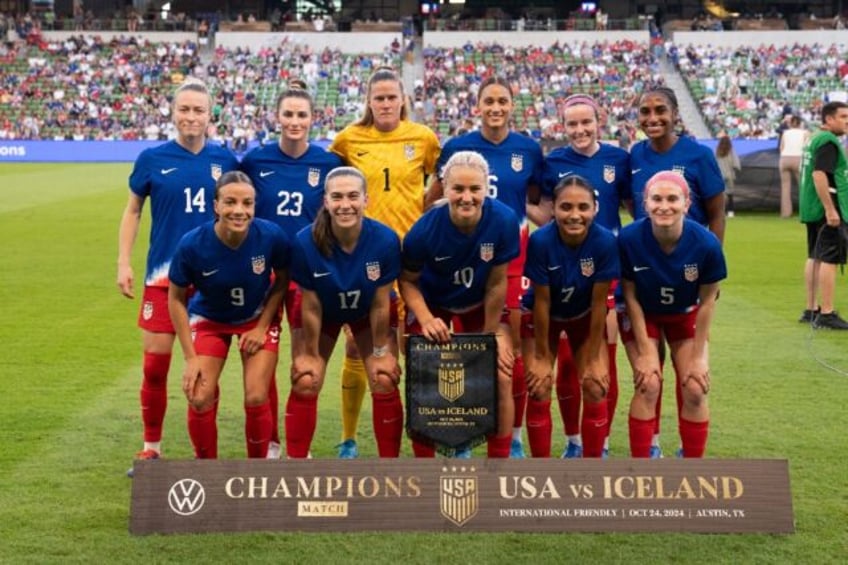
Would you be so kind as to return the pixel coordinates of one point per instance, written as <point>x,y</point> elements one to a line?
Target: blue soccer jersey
<point>571,273</point>
<point>181,188</point>
<point>669,283</point>
<point>347,282</point>
<point>694,161</point>
<point>514,163</point>
<point>231,284</point>
<point>455,266</point>
<point>289,191</point>
<point>608,171</point>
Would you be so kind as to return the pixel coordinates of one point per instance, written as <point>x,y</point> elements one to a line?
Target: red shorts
<point>576,329</point>
<point>611,294</point>
<point>675,327</point>
<point>470,320</point>
<point>332,329</point>
<point>516,286</point>
<point>213,338</point>
<point>153,315</point>
<point>293,301</point>
<point>516,266</point>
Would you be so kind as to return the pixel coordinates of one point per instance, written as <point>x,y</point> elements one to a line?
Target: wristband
<point>381,351</point>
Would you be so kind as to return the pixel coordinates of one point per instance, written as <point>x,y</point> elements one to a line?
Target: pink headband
<point>576,99</point>
<point>672,177</point>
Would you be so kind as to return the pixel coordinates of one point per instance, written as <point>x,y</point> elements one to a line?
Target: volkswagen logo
<point>186,497</point>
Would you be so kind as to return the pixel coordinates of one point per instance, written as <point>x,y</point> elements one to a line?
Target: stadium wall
<point>523,39</point>
<point>353,42</point>
<point>151,36</point>
<point>778,38</point>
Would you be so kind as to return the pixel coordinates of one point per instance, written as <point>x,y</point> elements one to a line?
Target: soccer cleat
<point>516,449</point>
<point>146,455</point>
<point>348,449</point>
<point>830,321</point>
<point>808,316</point>
<point>605,453</point>
<point>572,451</point>
<point>273,450</point>
<point>656,452</point>
<point>679,453</point>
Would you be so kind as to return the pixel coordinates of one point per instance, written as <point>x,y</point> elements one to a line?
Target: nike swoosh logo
<point>445,258</point>
<point>554,267</point>
<point>210,273</point>
<point>263,174</point>
<point>634,171</point>
<point>565,174</point>
<point>391,420</point>
<point>637,269</point>
<point>319,275</point>
<point>361,153</point>
<point>168,171</point>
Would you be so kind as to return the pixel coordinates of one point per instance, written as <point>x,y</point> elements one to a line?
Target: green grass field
<point>69,422</point>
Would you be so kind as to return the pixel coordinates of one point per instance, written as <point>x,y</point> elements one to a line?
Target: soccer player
<point>454,271</point>
<point>515,165</point>
<point>346,265</point>
<point>607,169</point>
<point>571,264</point>
<point>824,209</point>
<point>666,150</point>
<point>238,266</point>
<point>179,178</point>
<point>396,155</point>
<point>670,269</point>
<point>289,180</point>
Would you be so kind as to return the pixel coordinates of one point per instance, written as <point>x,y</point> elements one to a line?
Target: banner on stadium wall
<point>13,151</point>
<point>462,495</point>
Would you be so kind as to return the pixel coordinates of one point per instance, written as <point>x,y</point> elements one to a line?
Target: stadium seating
<point>745,91</point>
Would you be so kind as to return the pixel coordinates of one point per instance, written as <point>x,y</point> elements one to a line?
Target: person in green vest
<point>823,203</point>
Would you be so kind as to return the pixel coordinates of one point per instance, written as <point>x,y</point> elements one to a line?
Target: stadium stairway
<point>689,112</point>
<point>413,71</point>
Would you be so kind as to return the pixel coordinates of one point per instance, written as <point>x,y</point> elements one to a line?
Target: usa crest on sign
<point>690,272</point>
<point>517,162</point>
<point>258,264</point>
<point>587,266</point>
<point>487,251</point>
<point>372,271</point>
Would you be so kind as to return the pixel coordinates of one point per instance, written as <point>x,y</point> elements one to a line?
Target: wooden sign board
<point>462,495</point>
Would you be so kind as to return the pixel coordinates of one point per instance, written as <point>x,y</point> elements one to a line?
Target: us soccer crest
<point>372,271</point>
<point>690,272</point>
<point>458,494</point>
<point>451,381</point>
<point>609,174</point>
<point>147,310</point>
<point>517,162</point>
<point>409,151</point>
<point>216,171</point>
<point>680,170</point>
<point>258,264</point>
<point>313,177</point>
<point>587,266</point>
<point>487,251</point>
